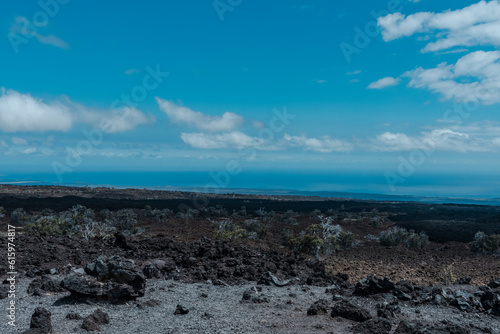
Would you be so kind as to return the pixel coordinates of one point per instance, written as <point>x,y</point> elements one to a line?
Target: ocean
<point>434,188</point>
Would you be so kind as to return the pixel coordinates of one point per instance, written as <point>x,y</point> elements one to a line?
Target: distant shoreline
<point>242,192</point>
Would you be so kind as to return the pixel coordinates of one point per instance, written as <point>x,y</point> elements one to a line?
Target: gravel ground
<point>218,309</point>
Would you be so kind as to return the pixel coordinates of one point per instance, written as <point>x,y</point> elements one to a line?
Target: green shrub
<point>20,216</point>
<point>264,214</point>
<point>395,235</point>
<point>216,211</point>
<point>49,225</point>
<point>255,228</point>
<point>78,221</point>
<point>324,238</point>
<point>316,213</point>
<point>227,229</point>
<point>447,274</point>
<point>187,214</point>
<point>485,244</point>
<point>416,241</point>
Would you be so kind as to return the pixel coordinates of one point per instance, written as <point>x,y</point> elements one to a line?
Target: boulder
<point>350,311</point>
<point>181,310</point>
<point>373,285</point>
<point>415,327</point>
<point>44,284</point>
<point>114,277</point>
<point>379,326</point>
<point>319,307</point>
<point>40,322</point>
<point>94,321</point>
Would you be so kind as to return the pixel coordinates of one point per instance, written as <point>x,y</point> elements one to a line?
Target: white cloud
<point>438,139</point>
<point>113,120</point>
<point>474,78</point>
<point>477,24</point>
<point>22,112</point>
<point>23,27</point>
<point>30,150</point>
<point>258,124</point>
<point>19,141</point>
<point>182,115</point>
<point>496,142</point>
<point>323,144</point>
<point>52,40</point>
<point>354,72</point>
<point>235,139</point>
<point>3,144</point>
<point>384,82</point>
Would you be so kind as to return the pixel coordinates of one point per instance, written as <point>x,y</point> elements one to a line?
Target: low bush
<point>324,238</point>
<point>416,241</point>
<point>188,214</point>
<point>393,236</point>
<point>256,229</point>
<point>77,221</point>
<point>448,275</point>
<point>217,211</point>
<point>20,217</point>
<point>49,225</point>
<point>227,229</point>
<point>264,214</point>
<point>160,215</point>
<point>396,235</point>
<point>485,244</point>
<point>242,212</point>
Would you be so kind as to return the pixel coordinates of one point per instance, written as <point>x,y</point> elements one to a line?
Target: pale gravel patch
<point>230,315</point>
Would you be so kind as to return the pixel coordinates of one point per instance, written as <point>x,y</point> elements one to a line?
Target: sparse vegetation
<point>396,235</point>
<point>289,218</point>
<point>77,221</point>
<point>216,211</point>
<point>324,238</point>
<point>227,229</point>
<point>124,220</point>
<point>448,275</point>
<point>248,229</point>
<point>20,217</point>
<point>263,213</point>
<point>256,229</point>
<point>416,240</point>
<point>49,225</point>
<point>485,244</point>
<point>160,215</point>
<point>188,214</point>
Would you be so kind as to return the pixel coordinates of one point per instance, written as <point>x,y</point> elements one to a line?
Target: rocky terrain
<point>117,261</point>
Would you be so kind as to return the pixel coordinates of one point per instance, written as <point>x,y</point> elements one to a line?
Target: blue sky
<point>299,85</point>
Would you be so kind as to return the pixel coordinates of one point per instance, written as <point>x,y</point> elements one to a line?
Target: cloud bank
<point>182,115</point>
<point>23,113</point>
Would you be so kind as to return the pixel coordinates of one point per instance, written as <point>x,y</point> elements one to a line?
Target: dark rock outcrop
<point>44,284</point>
<point>113,277</point>
<point>373,326</point>
<point>350,311</point>
<point>181,310</point>
<point>373,285</point>
<point>40,322</point>
<point>319,307</point>
<point>94,321</point>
